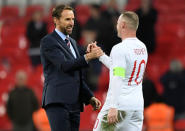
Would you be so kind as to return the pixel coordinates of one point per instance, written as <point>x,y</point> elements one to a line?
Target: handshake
<point>93,51</point>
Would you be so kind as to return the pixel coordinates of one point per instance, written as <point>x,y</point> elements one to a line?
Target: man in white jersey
<point>123,108</point>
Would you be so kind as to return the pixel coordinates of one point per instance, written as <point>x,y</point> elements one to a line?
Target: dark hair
<point>56,12</point>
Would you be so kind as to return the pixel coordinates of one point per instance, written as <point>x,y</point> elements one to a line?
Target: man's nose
<point>72,22</point>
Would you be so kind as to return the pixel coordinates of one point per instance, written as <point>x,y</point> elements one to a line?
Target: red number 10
<point>137,75</point>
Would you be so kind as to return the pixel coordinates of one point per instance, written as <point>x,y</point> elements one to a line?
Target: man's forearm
<point>106,60</point>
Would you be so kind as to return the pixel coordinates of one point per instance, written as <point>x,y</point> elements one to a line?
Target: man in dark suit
<point>65,91</point>
<point>36,29</point>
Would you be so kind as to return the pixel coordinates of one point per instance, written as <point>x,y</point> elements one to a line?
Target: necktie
<point>68,45</point>
<point>67,41</point>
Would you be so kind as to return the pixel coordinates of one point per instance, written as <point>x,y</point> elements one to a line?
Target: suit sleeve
<point>54,54</point>
<point>85,93</point>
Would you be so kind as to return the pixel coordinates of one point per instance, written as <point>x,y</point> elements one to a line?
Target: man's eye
<point>68,19</point>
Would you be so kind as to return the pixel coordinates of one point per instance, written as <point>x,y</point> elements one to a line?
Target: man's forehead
<point>121,15</point>
<point>67,13</point>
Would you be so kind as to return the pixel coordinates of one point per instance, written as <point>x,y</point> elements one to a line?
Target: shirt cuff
<point>86,60</point>
<point>102,57</point>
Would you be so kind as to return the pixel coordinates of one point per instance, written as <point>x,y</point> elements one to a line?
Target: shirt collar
<point>130,38</point>
<point>61,34</point>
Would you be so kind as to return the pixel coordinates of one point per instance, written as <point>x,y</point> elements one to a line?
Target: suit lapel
<point>62,43</point>
<point>75,47</point>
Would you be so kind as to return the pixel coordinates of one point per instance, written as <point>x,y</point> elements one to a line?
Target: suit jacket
<point>34,34</point>
<point>64,82</point>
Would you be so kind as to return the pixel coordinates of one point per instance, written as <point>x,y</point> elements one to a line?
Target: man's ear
<point>55,20</point>
<point>123,24</point>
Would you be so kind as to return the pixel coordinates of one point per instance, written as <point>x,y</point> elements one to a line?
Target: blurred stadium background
<point>14,15</point>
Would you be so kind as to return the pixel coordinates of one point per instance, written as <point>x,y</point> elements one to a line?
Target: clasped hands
<point>93,51</point>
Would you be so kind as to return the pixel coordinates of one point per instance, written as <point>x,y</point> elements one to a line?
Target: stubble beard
<point>64,30</point>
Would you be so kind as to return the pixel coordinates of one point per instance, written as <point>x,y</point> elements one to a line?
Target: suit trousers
<point>63,117</point>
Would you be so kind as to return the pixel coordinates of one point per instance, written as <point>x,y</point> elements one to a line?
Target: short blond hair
<point>131,18</point>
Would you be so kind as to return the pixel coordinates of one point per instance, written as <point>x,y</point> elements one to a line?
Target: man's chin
<point>69,32</point>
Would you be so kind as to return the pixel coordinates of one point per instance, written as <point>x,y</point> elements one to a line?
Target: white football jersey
<point>126,65</point>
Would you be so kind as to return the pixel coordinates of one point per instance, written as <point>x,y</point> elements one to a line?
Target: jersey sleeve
<point>117,74</point>
<point>106,60</point>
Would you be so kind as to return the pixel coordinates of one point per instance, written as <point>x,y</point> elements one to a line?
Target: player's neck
<point>128,34</point>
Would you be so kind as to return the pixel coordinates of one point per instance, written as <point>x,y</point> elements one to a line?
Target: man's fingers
<point>109,120</point>
<point>96,48</point>
<point>97,104</point>
<point>95,52</point>
<point>89,47</point>
<point>94,43</point>
<point>116,120</point>
<point>112,120</point>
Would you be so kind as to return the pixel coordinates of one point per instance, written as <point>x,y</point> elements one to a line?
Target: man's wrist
<point>87,57</point>
<point>101,57</point>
